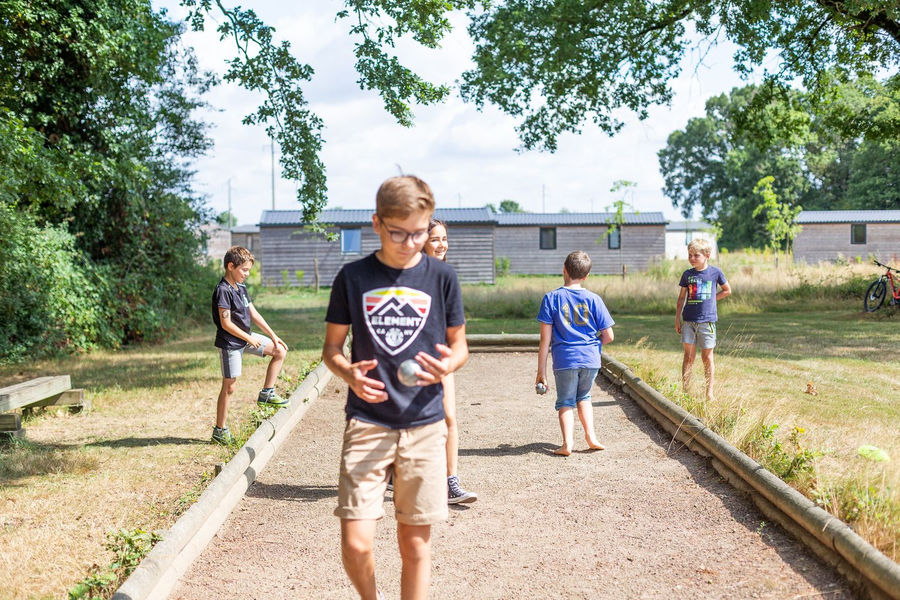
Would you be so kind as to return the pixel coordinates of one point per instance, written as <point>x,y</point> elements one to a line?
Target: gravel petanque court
<point>645,518</point>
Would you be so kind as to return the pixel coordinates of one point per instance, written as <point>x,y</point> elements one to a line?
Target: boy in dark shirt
<point>401,305</point>
<point>695,312</point>
<point>233,313</point>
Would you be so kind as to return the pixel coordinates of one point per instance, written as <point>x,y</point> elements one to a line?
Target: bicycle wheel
<point>875,296</point>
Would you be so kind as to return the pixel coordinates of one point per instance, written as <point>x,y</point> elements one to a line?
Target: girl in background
<point>436,246</point>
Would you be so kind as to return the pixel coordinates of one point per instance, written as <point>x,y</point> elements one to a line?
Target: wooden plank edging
<point>161,569</point>
<point>859,561</point>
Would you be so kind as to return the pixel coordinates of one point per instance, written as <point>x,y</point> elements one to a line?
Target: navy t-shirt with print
<point>394,314</point>
<point>700,302</point>
<point>237,300</point>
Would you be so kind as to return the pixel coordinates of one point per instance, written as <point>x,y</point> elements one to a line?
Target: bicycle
<point>878,290</point>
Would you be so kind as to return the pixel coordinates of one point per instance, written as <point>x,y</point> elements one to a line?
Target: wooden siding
<point>641,245</point>
<point>291,249</point>
<point>829,241</point>
<point>250,241</point>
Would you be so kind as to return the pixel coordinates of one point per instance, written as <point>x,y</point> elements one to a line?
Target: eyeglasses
<point>398,236</point>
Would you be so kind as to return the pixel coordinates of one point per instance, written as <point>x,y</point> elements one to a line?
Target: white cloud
<point>467,156</point>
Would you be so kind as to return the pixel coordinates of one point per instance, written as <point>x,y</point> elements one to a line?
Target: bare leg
<point>415,554</point>
<point>452,430</point>
<point>228,385</point>
<point>709,367</point>
<point>690,351</point>
<point>567,426</point>
<point>278,353</point>
<point>586,416</point>
<point>357,542</point>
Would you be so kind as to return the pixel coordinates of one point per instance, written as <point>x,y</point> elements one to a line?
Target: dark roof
<point>604,218</point>
<point>689,226</point>
<point>363,216</point>
<point>848,216</point>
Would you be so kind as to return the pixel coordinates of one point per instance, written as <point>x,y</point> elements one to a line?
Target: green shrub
<point>52,298</point>
<point>501,266</point>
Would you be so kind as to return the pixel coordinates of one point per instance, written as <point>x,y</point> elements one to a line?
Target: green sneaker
<point>273,400</point>
<point>222,435</point>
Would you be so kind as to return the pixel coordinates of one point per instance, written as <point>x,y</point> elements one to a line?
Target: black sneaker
<point>272,399</point>
<point>222,435</point>
<point>457,495</point>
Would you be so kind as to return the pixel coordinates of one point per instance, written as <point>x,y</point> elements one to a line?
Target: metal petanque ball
<point>540,388</point>
<point>408,372</point>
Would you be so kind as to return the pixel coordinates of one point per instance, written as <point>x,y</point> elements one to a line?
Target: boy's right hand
<point>678,326</point>
<point>255,342</point>
<point>368,389</point>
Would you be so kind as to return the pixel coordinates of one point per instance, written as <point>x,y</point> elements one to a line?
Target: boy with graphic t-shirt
<point>574,325</point>
<point>232,313</point>
<point>400,305</point>
<point>695,312</point>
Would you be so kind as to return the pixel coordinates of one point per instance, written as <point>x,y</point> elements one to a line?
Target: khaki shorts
<point>419,460</point>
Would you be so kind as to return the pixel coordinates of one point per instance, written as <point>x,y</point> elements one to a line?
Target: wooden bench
<point>43,391</point>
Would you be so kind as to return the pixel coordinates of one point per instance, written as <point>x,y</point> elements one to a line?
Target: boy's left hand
<point>433,369</point>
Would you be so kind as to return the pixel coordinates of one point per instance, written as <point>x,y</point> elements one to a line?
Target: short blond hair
<point>237,255</point>
<point>399,197</point>
<point>700,245</point>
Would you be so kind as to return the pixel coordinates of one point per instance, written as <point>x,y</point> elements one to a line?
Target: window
<point>614,239</point>
<point>858,233</point>
<point>351,241</point>
<point>548,238</point>
<point>688,237</point>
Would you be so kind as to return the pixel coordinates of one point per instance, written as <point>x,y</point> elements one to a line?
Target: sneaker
<point>390,483</point>
<point>457,495</point>
<point>272,399</point>
<point>222,435</point>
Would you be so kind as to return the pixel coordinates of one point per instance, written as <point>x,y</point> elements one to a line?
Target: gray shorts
<point>231,357</point>
<point>701,334</point>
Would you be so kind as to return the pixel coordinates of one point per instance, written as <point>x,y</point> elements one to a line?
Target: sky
<point>468,157</point>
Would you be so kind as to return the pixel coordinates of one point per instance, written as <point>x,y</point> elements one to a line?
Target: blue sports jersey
<point>577,316</point>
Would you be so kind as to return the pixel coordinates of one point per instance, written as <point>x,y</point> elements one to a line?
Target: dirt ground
<point>643,519</point>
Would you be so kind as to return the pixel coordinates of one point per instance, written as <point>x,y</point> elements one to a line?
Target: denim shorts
<point>701,334</point>
<point>573,385</point>
<point>231,357</point>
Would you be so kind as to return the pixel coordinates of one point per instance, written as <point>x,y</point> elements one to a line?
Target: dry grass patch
<point>137,460</point>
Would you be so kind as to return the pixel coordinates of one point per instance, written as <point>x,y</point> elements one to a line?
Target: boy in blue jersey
<point>695,312</point>
<point>400,305</point>
<point>574,325</point>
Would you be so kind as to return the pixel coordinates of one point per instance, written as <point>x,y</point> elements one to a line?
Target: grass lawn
<point>141,456</point>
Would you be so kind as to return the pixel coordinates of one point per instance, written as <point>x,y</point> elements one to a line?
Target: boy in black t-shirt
<point>401,305</point>
<point>233,313</point>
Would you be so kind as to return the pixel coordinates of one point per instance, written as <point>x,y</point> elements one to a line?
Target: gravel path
<point>642,519</point>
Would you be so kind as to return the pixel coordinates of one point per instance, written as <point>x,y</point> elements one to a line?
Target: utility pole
<point>543,198</point>
<point>230,224</point>
<point>272,146</point>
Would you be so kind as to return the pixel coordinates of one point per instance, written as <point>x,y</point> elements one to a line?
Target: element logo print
<point>395,316</point>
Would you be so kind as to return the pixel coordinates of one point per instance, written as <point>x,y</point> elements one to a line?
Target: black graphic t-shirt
<point>393,315</point>
<point>238,302</point>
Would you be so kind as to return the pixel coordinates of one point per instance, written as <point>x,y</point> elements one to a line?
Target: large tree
<point>98,97</point>
<point>555,63</point>
<point>816,158</point>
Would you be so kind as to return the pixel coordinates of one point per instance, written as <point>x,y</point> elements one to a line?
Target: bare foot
<point>595,445</point>
<point>562,451</point>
